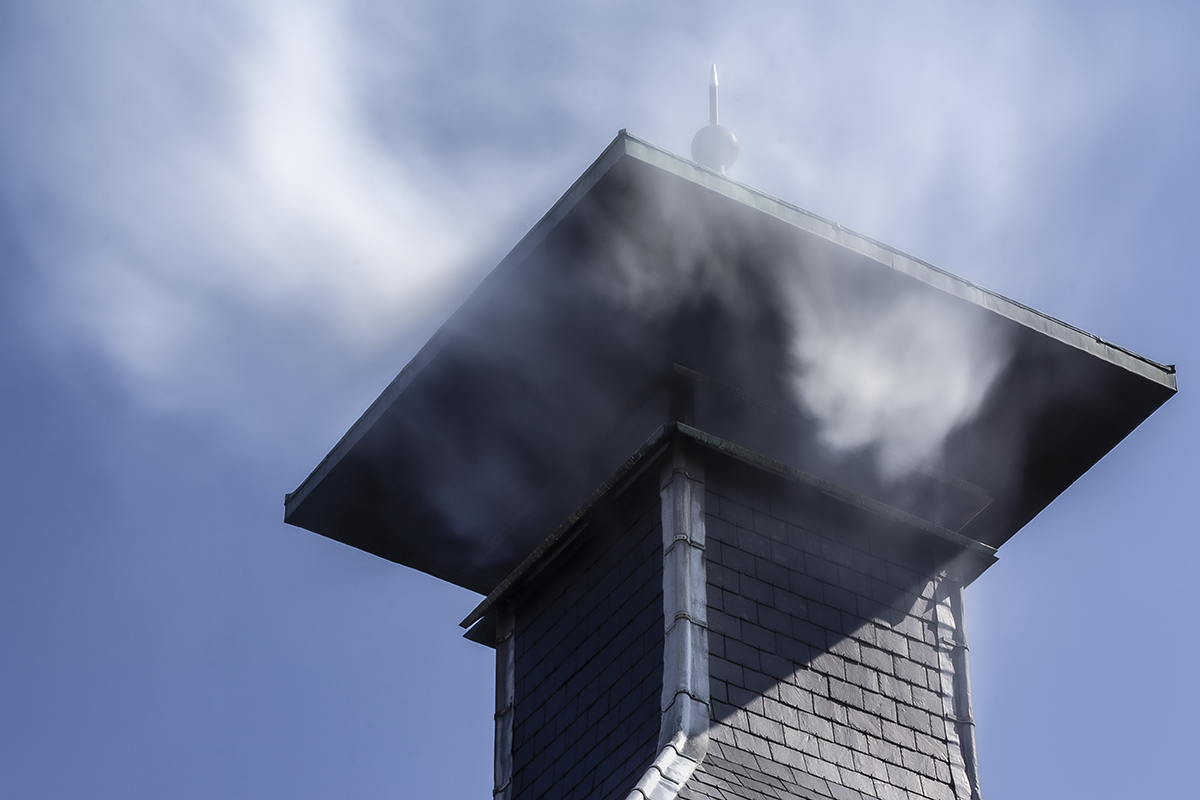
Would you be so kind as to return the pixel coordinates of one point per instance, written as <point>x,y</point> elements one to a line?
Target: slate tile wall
<point>589,655</point>
<point>825,679</point>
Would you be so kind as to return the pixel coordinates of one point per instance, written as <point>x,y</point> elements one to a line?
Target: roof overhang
<point>656,290</point>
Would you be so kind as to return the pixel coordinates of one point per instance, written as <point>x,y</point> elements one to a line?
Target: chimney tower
<point>692,593</point>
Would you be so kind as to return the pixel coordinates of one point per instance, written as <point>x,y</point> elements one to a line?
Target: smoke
<point>895,371</point>
<point>881,363</point>
<point>659,254</point>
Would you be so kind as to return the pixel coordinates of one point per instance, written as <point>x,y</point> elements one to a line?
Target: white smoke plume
<point>896,372</point>
<point>880,362</point>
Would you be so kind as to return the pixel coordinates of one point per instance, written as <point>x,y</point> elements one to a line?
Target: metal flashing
<point>954,677</point>
<point>686,715</point>
<point>506,694</point>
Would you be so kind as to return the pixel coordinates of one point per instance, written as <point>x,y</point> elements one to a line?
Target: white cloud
<point>336,167</point>
<point>327,217</point>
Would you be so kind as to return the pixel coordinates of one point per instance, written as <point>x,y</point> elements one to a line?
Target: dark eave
<point>544,381</point>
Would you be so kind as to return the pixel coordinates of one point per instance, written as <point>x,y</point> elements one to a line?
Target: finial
<point>714,114</point>
<point>714,146</point>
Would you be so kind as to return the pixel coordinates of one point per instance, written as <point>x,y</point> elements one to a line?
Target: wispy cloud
<point>320,215</point>
<point>192,178</point>
<point>241,182</point>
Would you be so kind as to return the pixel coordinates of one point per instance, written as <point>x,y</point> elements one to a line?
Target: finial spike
<point>714,146</point>
<point>714,115</point>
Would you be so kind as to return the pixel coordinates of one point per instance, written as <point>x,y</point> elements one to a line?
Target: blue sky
<point>225,226</point>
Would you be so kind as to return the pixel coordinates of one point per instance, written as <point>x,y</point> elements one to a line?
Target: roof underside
<point>657,290</point>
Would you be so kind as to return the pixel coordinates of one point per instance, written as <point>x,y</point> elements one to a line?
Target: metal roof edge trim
<point>902,262</point>
<point>600,167</point>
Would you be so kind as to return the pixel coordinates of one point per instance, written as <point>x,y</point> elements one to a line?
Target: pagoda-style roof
<point>658,291</point>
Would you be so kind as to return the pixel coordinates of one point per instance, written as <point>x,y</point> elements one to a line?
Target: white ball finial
<point>714,146</point>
